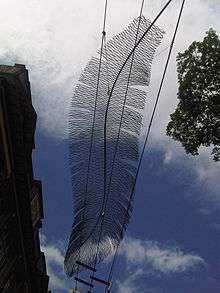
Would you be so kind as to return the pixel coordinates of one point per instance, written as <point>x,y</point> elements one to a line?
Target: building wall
<point>22,264</point>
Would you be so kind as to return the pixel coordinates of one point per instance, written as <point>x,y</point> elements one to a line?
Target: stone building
<point>22,264</point>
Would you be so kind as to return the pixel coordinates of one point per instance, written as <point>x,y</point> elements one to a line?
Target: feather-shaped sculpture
<point>86,128</point>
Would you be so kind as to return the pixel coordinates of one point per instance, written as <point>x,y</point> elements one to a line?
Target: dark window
<point>5,168</point>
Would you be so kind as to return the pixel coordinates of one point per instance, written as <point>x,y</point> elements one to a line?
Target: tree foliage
<point>196,120</point>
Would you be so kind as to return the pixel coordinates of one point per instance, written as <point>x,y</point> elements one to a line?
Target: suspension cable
<point>146,139</point>
<point>94,117</point>
<point>123,106</point>
<point>101,215</point>
<point>126,92</point>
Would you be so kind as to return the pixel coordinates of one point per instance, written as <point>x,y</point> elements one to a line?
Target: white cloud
<point>129,285</point>
<point>205,170</point>
<point>149,258</point>
<point>54,259</point>
<point>132,285</point>
<point>55,39</point>
<point>53,254</point>
<point>157,258</point>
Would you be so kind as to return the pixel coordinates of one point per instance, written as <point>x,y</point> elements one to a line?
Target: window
<point>5,166</point>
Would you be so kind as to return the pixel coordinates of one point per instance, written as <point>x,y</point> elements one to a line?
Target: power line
<point>112,89</point>
<point>110,95</point>
<point>124,103</point>
<point>147,136</point>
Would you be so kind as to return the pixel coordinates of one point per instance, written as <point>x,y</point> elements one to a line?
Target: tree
<point>196,120</point>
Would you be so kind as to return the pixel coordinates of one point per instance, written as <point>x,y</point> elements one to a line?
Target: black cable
<point>123,106</point>
<point>107,67</point>
<point>96,98</point>
<point>94,116</point>
<point>111,92</point>
<point>126,92</point>
<point>147,136</point>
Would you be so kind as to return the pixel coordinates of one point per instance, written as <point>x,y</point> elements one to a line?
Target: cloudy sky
<point>172,244</point>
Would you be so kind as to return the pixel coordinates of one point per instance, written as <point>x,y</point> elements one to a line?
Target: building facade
<point>22,264</point>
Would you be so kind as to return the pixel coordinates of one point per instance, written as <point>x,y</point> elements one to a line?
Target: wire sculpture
<point>86,141</point>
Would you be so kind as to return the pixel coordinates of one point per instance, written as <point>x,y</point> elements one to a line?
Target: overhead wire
<point>124,103</point>
<point>107,67</point>
<point>147,137</point>
<point>94,116</point>
<point>112,89</point>
<point>126,92</point>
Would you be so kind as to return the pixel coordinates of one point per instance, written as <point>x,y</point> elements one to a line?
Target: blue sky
<point>173,239</point>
